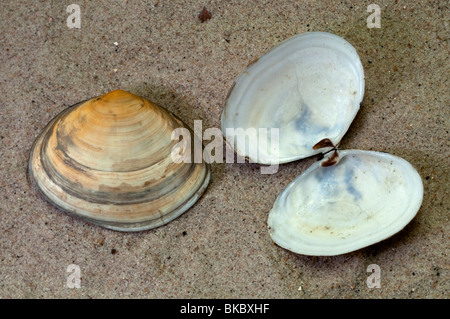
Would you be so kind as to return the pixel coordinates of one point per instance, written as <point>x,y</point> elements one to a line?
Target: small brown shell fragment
<point>204,15</point>
<point>332,160</point>
<point>108,160</point>
<point>326,142</point>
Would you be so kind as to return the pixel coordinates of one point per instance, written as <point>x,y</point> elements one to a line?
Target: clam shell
<point>309,87</point>
<point>365,198</point>
<point>108,160</point>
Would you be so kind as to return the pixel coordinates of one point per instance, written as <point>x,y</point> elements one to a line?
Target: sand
<point>220,248</point>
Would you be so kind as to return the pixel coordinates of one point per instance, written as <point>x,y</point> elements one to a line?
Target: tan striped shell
<point>108,160</point>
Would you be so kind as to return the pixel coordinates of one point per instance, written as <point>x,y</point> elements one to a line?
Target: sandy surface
<point>220,248</point>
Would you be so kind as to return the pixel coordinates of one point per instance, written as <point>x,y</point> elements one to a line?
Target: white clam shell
<point>367,197</point>
<point>309,87</point>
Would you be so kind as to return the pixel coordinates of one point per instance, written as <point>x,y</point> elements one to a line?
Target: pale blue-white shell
<point>309,88</point>
<point>365,198</point>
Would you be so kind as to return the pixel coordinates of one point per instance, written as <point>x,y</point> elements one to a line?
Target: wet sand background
<point>220,248</point>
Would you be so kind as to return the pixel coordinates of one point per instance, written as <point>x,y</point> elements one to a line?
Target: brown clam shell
<point>108,160</point>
